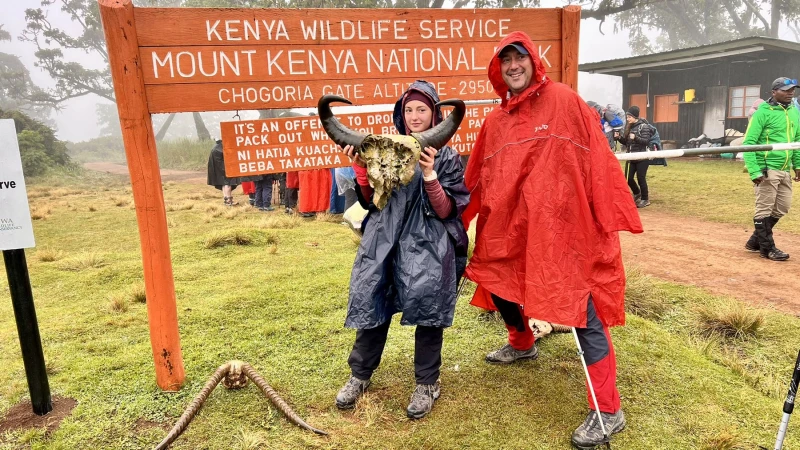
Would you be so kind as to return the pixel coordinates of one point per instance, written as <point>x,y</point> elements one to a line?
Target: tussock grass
<point>38,192</point>
<point>723,441</point>
<point>40,213</point>
<point>51,367</point>
<point>64,192</point>
<point>249,440</point>
<point>120,201</point>
<point>272,249</point>
<point>644,297</point>
<point>369,410</point>
<point>83,261</point>
<point>47,254</point>
<point>227,237</point>
<point>137,293</point>
<point>328,217</point>
<point>737,322</point>
<point>118,303</point>
<point>92,209</point>
<point>281,221</point>
<point>232,213</point>
<point>183,206</point>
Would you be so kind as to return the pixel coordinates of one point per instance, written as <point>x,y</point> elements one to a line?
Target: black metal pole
<point>788,405</point>
<point>28,328</point>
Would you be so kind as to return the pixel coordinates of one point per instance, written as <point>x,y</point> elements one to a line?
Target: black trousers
<point>291,197</point>
<point>592,338</point>
<point>368,349</point>
<point>638,168</point>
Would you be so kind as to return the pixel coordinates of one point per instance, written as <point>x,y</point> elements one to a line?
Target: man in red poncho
<point>550,198</point>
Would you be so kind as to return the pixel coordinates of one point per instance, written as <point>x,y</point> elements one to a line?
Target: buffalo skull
<point>391,158</point>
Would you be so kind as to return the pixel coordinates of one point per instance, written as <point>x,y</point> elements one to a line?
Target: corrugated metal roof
<point>704,52</point>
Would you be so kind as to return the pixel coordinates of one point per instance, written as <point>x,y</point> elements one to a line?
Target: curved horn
<point>437,136</point>
<point>338,133</point>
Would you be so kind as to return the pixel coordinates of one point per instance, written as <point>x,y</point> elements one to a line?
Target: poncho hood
<point>496,76</point>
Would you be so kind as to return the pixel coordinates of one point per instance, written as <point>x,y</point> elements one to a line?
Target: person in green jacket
<point>775,121</point>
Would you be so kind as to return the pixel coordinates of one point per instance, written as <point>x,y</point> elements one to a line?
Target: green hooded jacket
<point>772,124</point>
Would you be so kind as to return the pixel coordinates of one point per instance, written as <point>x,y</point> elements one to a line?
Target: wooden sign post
<point>119,26</point>
<point>167,60</point>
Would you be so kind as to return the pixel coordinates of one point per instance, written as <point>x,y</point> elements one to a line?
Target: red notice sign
<point>254,147</point>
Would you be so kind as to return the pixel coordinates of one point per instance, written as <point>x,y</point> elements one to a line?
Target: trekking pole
<point>788,405</point>
<point>591,388</point>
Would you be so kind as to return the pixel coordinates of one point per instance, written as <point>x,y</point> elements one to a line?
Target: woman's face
<point>630,118</point>
<point>418,116</point>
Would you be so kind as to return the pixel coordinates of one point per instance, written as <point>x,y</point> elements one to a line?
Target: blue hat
<point>520,48</point>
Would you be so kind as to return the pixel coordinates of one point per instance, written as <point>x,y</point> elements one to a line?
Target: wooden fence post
<point>140,151</point>
<point>570,35</point>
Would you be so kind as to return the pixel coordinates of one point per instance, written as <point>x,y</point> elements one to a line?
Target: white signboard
<point>16,230</point>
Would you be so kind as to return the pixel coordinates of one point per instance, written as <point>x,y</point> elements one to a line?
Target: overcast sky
<point>77,120</point>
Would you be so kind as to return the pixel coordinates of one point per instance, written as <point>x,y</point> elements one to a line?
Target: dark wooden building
<point>726,78</point>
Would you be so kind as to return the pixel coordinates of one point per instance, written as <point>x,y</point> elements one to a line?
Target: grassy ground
<point>179,154</point>
<point>695,371</point>
<point>715,190</point>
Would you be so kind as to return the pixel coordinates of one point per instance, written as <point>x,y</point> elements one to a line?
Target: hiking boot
<point>642,203</point>
<point>422,400</point>
<point>775,255</point>
<point>589,434</point>
<point>752,244</point>
<point>637,197</point>
<point>508,354</point>
<point>266,208</point>
<point>289,211</point>
<point>350,392</point>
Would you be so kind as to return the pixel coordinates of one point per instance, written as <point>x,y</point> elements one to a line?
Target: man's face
<point>517,70</point>
<point>783,96</point>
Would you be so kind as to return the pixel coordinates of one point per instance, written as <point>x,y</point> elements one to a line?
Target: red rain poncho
<point>315,190</point>
<point>550,198</point>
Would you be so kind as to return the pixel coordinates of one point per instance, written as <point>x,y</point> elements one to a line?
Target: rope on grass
<point>234,375</point>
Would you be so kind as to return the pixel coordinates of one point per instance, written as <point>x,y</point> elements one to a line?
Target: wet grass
<point>283,311</point>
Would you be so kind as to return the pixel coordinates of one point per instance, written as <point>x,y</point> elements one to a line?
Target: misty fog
<point>77,119</point>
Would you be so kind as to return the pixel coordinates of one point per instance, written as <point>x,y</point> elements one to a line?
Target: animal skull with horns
<point>391,158</point>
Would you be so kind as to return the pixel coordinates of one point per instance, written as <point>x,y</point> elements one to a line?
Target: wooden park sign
<point>202,59</point>
<point>222,59</point>
<point>299,143</point>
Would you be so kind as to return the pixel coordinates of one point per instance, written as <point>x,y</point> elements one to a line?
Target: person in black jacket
<point>636,137</point>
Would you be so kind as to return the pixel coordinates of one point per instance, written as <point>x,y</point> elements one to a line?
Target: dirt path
<point>186,176</point>
<point>712,256</point>
<point>674,248</point>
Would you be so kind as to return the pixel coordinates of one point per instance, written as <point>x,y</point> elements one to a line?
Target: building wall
<point>761,69</point>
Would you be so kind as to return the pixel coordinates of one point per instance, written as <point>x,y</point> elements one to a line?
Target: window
<point>640,100</point>
<point>666,108</point>
<point>741,98</point>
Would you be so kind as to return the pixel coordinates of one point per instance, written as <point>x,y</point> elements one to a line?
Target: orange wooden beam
<point>140,150</point>
<point>570,35</point>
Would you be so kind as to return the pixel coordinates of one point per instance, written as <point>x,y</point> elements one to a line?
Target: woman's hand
<point>426,160</point>
<point>355,158</point>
